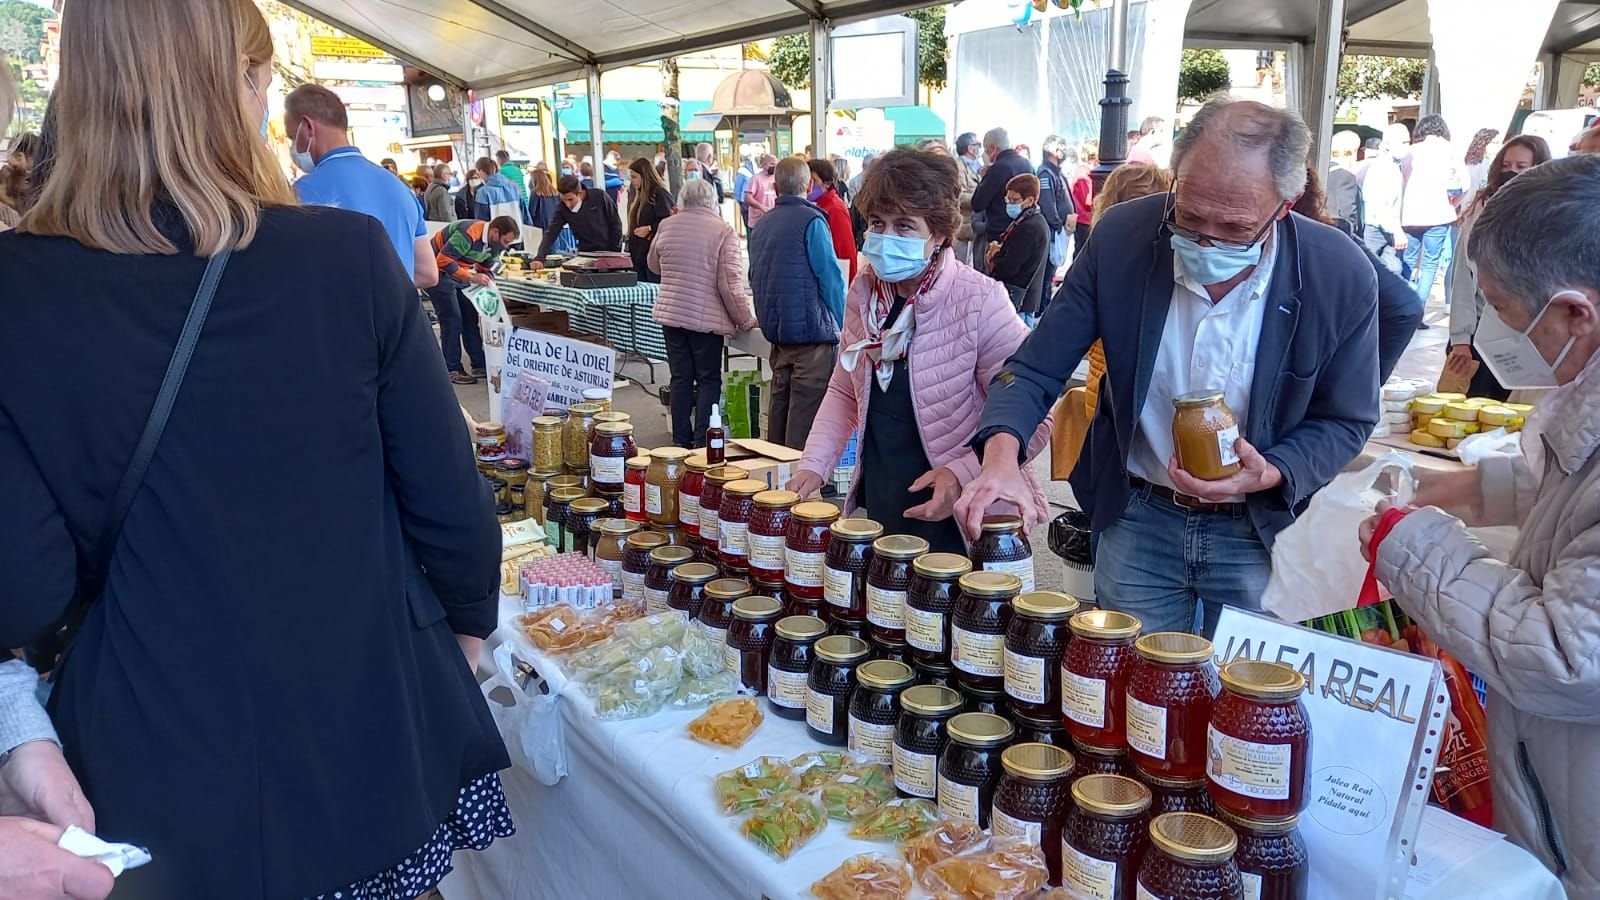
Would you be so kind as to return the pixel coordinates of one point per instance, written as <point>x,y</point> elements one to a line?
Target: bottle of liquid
<point>716,439</point>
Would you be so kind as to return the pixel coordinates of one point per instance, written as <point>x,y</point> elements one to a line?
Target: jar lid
<point>842,648</point>
<point>669,454</point>
<point>726,474</point>
<point>646,540</point>
<point>1111,795</point>
<point>566,481</point>
<point>979,729</point>
<point>1196,398</point>
<point>511,464</point>
<point>590,505</point>
<point>1262,680</point>
<point>1193,837</point>
<point>597,393</point>
<point>1263,824</point>
<point>930,700</point>
<point>1097,750</point>
<point>1001,523</point>
<point>777,499</point>
<point>642,461</point>
<point>620,526</point>
<point>744,487</point>
<point>566,494</point>
<point>801,628</point>
<point>728,588</point>
<point>667,556</point>
<point>611,415</point>
<point>1105,625</point>
<point>942,565</point>
<point>900,546</point>
<point>889,644</point>
<point>885,674</point>
<point>490,429</point>
<point>695,573</point>
<point>545,475</point>
<point>1178,647</point>
<point>1036,762</point>
<point>696,461</point>
<point>1047,605</point>
<point>584,409</point>
<point>1172,784</point>
<point>756,608</point>
<point>815,511</point>
<point>613,428</point>
<point>856,529</point>
<point>991,584</point>
<point>545,423</point>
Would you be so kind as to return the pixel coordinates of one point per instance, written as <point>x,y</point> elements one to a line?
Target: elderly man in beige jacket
<point>1529,627</point>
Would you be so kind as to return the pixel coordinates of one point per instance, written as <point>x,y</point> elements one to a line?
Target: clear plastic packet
<point>1007,869</point>
<point>702,654</point>
<point>728,723</point>
<point>600,658</point>
<point>819,767</point>
<point>896,820</point>
<point>694,693</point>
<point>865,876</point>
<point>638,688</point>
<point>856,790</point>
<point>561,628</point>
<point>753,784</point>
<point>655,630</point>
<point>784,825</point>
<point>945,840</point>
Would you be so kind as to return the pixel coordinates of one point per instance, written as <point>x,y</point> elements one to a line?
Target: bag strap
<point>1369,585</point>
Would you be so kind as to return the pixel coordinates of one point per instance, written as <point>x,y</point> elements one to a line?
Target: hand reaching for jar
<point>946,491</point>
<point>806,484</point>
<point>1255,474</point>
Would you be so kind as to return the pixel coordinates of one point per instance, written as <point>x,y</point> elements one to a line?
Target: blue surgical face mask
<point>263,95</point>
<point>1013,209</point>
<point>1214,265</point>
<point>693,176</point>
<point>895,258</point>
<point>566,170</point>
<point>301,158</point>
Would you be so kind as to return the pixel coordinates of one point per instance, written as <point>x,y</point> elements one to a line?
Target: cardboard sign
<point>1377,717</point>
<point>568,365</point>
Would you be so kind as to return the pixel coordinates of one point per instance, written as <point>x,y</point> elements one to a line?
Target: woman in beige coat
<point>1529,627</point>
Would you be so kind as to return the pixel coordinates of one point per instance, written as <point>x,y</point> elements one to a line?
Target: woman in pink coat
<point>923,336</point>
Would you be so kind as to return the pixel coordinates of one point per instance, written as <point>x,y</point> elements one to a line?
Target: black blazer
<point>1021,261</point>
<point>269,695</point>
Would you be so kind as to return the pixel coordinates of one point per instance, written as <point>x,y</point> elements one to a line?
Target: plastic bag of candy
<point>728,723</point>
<point>753,784</point>
<point>637,688</point>
<point>945,840</point>
<point>857,789</point>
<point>896,820</point>
<point>561,628</point>
<point>784,825</point>
<point>656,630</point>
<point>1008,869</point>
<point>866,876</point>
<point>694,693</point>
<point>819,767</point>
<point>702,654</point>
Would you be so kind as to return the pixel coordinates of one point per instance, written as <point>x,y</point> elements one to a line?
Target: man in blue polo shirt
<point>338,175</point>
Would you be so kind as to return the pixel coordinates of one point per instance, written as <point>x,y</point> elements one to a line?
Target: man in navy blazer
<point>1214,287</point>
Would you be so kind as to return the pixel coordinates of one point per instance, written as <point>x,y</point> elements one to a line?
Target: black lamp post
<point>1114,106</point>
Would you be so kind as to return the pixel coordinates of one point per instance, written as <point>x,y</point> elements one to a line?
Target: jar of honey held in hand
<point>1204,433</point>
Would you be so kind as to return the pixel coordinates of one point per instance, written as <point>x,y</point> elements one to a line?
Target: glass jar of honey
<point>1035,641</point>
<point>887,580</point>
<point>609,452</point>
<point>1170,691</point>
<point>1050,731</point>
<point>978,629</point>
<point>1094,760</point>
<point>937,675</point>
<point>769,526</point>
<point>969,767</point>
<point>689,488</point>
<point>931,596</point>
<point>1179,795</point>
<point>1094,676</point>
<point>489,445</point>
<point>1272,858</point>
<point>533,494</point>
<point>829,686</point>
<point>716,479</point>
<point>1259,743</point>
<point>688,591</point>
<point>581,517</point>
<point>1190,855</point>
<point>716,613</point>
<point>661,482</point>
<point>844,569</point>
<point>1105,836</point>
<point>633,488</point>
<point>789,664</point>
<point>1204,433</point>
<point>919,738</point>
<point>1033,797</point>
<point>547,455</point>
<point>600,397</point>
<point>658,578</point>
<point>580,421</point>
<point>875,708</point>
<point>733,528</point>
<point>978,700</point>
<point>636,550</point>
<point>889,649</point>
<point>609,553</point>
<point>805,547</point>
<point>557,506</point>
<point>750,639</point>
<point>1003,547</point>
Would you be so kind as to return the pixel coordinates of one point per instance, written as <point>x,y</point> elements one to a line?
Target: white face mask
<point>302,158</point>
<point>1512,357</point>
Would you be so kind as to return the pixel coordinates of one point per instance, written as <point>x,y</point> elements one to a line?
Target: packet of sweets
<point>752,784</point>
<point>865,876</point>
<point>896,820</point>
<point>857,789</point>
<point>784,825</point>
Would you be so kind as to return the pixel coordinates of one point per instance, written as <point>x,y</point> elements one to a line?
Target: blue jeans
<point>1427,251</point>
<point>1159,560</point>
<point>458,324</point>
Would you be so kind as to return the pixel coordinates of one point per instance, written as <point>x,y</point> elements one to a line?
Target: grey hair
<point>997,138</point>
<point>697,193</point>
<point>1540,234</point>
<point>1056,146</point>
<point>1254,126</point>
<point>793,177</point>
<point>703,146</point>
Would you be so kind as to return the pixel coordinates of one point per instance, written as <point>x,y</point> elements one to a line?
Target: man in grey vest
<point>799,297</point>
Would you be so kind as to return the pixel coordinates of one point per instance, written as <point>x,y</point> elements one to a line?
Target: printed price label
<point>1147,728</point>
<point>1083,700</point>
<point>1246,767</point>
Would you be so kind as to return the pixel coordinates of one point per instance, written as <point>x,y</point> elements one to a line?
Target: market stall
<point>621,316</point>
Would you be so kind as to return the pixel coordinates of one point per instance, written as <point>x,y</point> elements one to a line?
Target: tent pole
<point>821,85</point>
<point>1430,88</point>
<point>1114,106</point>
<point>597,144</point>
<point>1321,86</point>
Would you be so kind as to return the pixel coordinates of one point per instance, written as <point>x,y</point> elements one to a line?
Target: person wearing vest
<point>799,297</point>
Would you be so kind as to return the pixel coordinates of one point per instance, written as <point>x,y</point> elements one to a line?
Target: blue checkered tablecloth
<point>620,314</point>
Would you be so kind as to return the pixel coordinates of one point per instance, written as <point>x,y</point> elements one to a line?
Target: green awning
<point>628,121</point>
<point>914,123</point>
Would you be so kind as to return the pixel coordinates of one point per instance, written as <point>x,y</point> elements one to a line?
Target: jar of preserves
<point>932,594</point>
<point>689,488</point>
<point>1105,835</point>
<point>661,483</point>
<point>1171,688</point>
<point>919,738</point>
<point>844,568</point>
<point>1035,641</point>
<point>674,535</point>
<point>600,397</point>
<point>1094,676</point>
<point>856,628</point>
<point>489,445</point>
<point>1259,742</point>
<point>978,629</point>
<point>789,664</point>
<point>991,702</point>
<point>716,613</point>
<point>658,579</point>
<point>805,547</point>
<point>969,766</point>
<point>636,550</point>
<point>1178,795</point>
<point>1093,760</point>
<point>1272,858</point>
<point>547,455</point>
<point>895,650</point>
<point>533,494</point>
<point>1033,797</point>
<point>711,504</point>
<point>513,470</point>
<point>581,517</point>
<point>581,473</point>
<point>1003,547</point>
<point>597,531</point>
<point>688,591</point>
<point>633,488</point>
<point>609,452</point>
<point>609,553</point>
<point>939,676</point>
<point>829,685</point>
<point>1204,433</point>
<point>567,481</point>
<point>504,513</point>
<point>875,708</point>
<point>769,528</point>
<point>1042,731</point>
<point>792,604</point>
<point>558,505</point>
<point>1190,856</point>
<point>887,580</point>
<point>580,421</point>
<point>498,488</point>
<point>750,639</point>
<point>733,529</point>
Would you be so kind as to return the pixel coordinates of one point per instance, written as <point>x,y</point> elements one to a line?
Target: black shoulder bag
<point>44,654</point>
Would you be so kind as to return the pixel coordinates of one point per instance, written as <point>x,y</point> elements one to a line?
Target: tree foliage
<point>1202,73</point>
<point>1376,77</point>
<point>789,61</point>
<point>1591,75</point>
<point>22,29</point>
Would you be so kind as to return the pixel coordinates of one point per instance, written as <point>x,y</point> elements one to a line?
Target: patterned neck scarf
<point>884,347</point>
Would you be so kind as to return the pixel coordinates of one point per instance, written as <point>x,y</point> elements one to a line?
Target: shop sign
<point>1377,717</point>
<point>368,72</point>
<point>571,366</point>
<point>322,45</point>
<point>519,111</point>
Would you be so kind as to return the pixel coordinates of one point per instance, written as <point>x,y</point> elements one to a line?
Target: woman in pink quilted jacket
<point>923,335</point>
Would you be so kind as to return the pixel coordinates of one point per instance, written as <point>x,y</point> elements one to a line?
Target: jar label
<point>730,656</point>
<point>1022,568</point>
<point>630,497</point>
<point>838,587</point>
<point>924,630</point>
<point>886,608</point>
<point>709,518</point>
<point>1025,677</point>
<point>766,551</point>
<point>1147,728</point>
<point>613,570</point>
<point>1083,700</point>
<point>652,498</point>
<point>875,743</point>
<point>978,654</point>
<point>689,509</point>
<point>802,569</point>
<point>916,773</point>
<point>655,601</point>
<point>552,534</point>
<point>607,469</point>
<point>1226,438</point>
<point>1143,893</point>
<point>1252,885</point>
<point>734,539</point>
<point>819,711</point>
<point>1010,826</point>
<point>1083,874</point>
<point>1246,767</point>
<point>957,802</point>
<point>786,689</point>
<point>632,587</point>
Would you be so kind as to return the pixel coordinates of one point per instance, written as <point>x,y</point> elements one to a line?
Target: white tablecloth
<point>635,817</point>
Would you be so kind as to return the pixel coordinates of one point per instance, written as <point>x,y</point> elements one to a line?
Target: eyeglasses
<point>1169,219</point>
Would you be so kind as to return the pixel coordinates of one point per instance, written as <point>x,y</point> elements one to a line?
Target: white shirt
<point>1204,346</point>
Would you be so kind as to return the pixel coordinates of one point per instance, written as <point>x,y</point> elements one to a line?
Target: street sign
<point>519,111</point>
<point>345,46</point>
<point>563,103</point>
